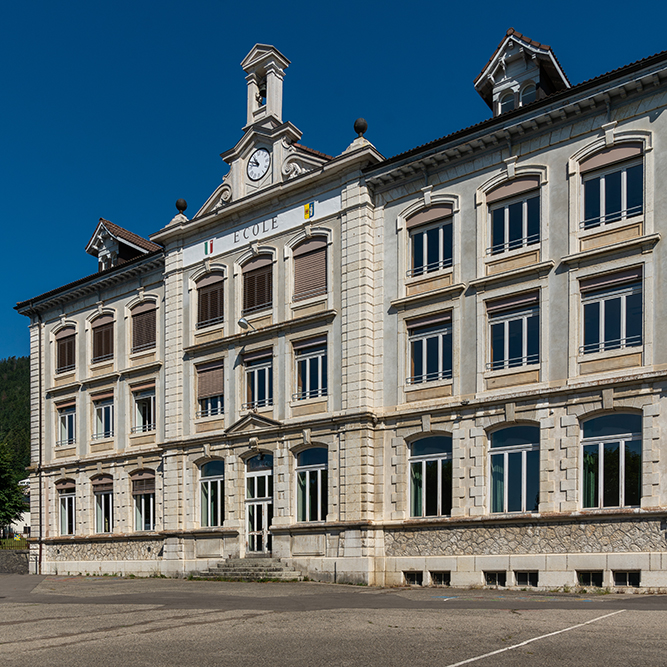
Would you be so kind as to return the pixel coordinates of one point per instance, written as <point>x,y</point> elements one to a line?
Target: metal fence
<point>13,543</point>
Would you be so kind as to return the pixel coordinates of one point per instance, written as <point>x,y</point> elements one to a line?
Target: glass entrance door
<point>259,503</point>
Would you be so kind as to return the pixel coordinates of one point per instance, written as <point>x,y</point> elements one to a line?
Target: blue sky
<point>116,110</point>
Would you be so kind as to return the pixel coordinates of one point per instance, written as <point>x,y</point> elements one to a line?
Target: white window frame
<point>103,511</point>
<point>525,240</point>
<point>67,507</point>
<point>206,485</point>
<point>143,503</point>
<point>66,426</point>
<point>144,411</point>
<point>423,460</point>
<point>505,452</point>
<point>211,406</point>
<point>308,471</point>
<point>442,373</point>
<point>505,318</point>
<point>101,407</point>
<point>504,99</point>
<point>602,297</point>
<point>443,262</point>
<point>304,356</point>
<point>526,86</point>
<point>602,174</point>
<point>261,368</point>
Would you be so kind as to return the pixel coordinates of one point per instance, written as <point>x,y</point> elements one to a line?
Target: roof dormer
<point>520,71</point>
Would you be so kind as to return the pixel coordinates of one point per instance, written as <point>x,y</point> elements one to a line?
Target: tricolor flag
<point>309,211</point>
<point>208,247</point>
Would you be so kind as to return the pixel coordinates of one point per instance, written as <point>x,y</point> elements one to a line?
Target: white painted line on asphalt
<point>534,639</point>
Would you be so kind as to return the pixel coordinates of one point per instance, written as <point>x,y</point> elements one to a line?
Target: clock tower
<point>268,153</point>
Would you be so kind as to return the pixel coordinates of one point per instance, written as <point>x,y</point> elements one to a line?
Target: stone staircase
<point>251,569</point>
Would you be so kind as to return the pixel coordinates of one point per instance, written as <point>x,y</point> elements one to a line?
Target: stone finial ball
<point>360,126</point>
<point>181,205</point>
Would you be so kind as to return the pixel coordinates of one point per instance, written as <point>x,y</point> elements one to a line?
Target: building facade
<point>441,367</point>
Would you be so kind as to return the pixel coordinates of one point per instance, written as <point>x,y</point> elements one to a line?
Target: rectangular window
<point>258,284</point>
<point>630,578</point>
<point>103,492</point>
<point>210,389</point>
<point>431,248</point>
<point>590,578</point>
<point>515,223</point>
<point>514,331</point>
<point>144,410</point>
<point>430,340</point>
<point>67,504</point>
<point>526,579</point>
<point>103,427</point>
<point>143,491</point>
<point>310,268</point>
<point>210,298</point>
<point>515,475</point>
<point>613,195</point>
<point>495,578</point>
<point>612,312</point>
<point>612,473</point>
<point>259,379</point>
<point>103,340</point>
<point>65,353</point>
<point>143,327</point>
<point>66,425</point>
<point>311,369</point>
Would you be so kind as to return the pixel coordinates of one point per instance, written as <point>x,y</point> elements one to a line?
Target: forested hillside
<point>15,411</point>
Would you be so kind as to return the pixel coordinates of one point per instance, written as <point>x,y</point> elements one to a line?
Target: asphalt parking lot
<point>103,621</point>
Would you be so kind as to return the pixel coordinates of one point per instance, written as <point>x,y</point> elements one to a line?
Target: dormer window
<point>507,102</point>
<point>528,94</point>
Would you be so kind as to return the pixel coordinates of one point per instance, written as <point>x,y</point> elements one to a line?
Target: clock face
<point>258,164</point>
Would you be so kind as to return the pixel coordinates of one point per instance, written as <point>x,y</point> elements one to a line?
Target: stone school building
<point>443,367</point>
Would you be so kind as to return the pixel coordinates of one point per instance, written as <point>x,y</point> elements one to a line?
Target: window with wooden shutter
<point>103,338</point>
<point>143,326</point>
<point>210,299</point>
<point>210,379</point>
<point>258,284</point>
<point>65,350</point>
<point>310,268</point>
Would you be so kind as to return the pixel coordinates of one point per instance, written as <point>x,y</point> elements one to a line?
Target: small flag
<point>208,247</point>
<point>309,211</point>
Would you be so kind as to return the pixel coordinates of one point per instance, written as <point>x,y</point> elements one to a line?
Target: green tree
<point>11,496</point>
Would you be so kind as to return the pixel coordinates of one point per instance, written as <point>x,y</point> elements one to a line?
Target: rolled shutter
<point>210,378</point>
<point>310,268</point>
<point>514,302</point>
<point>143,329</point>
<point>430,320</point>
<point>610,156</point>
<point>610,280</point>
<point>65,353</point>
<point>514,187</point>
<point>103,342</point>
<point>429,215</point>
<point>257,288</point>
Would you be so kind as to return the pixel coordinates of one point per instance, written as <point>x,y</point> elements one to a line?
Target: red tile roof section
<point>313,151</point>
<point>128,236</point>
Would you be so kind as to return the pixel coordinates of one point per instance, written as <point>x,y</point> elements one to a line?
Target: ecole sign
<point>233,239</point>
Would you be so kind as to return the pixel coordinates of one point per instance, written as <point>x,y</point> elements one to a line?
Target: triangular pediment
<point>252,422</point>
<point>262,53</point>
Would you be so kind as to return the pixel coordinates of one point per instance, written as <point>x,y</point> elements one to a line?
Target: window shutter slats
<point>65,353</point>
<point>210,303</point>
<point>257,288</point>
<point>310,274</point>
<point>611,155</point>
<point>429,215</point>
<point>513,302</point>
<point>143,330</point>
<point>103,342</point>
<point>609,280</point>
<point>210,380</point>
<point>514,187</point>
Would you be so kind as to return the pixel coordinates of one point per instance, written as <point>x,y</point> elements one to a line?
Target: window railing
<point>65,442</point>
<point>513,244</point>
<point>143,428</point>
<point>261,306</point>
<point>253,405</point>
<point>614,216</point>
<point>615,344</point>
<point>513,362</point>
<point>64,369</point>
<point>210,322</point>
<point>210,412</point>
<point>102,435</point>
<point>145,346</point>
<point>429,268</point>
<point>311,393</point>
<point>102,357</point>
<point>430,377</point>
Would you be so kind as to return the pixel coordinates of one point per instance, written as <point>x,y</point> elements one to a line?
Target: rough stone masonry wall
<point>613,536</point>
<point>13,561</point>
<point>96,551</point>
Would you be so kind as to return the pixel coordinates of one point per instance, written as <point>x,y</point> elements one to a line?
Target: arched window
<point>210,293</point>
<point>528,94</point>
<point>259,502</point>
<point>212,486</point>
<point>143,492</point>
<point>102,338</point>
<point>430,239</point>
<point>103,492</point>
<point>311,482</point>
<point>65,350</point>
<point>258,283</point>
<point>507,102</point>
<point>612,461</point>
<point>431,476</point>
<point>310,268</point>
<point>143,326</point>
<point>515,469</point>
<point>67,503</point>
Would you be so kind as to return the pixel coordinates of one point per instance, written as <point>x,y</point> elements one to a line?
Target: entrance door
<point>259,503</point>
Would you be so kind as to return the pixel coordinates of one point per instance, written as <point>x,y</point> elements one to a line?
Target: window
<point>630,578</point>
<point>431,476</point>
<point>413,578</point>
<point>430,240</point>
<point>210,299</point>
<point>258,284</point>
<point>591,578</point>
<point>526,579</point>
<point>311,368</point>
<point>612,461</point>
<point>515,469</point>
<point>103,492</point>
<point>612,305</point>
<point>144,408</point>
<point>67,503</point>
<point>443,578</point>
<point>103,408</point>
<point>495,578</point>
<point>311,482</point>
<point>528,94</point>
<point>507,102</point>
<point>515,223</point>
<point>212,487</point>
<point>430,341</point>
<point>143,326</point>
<point>259,379</point>
<point>210,382</point>
<point>514,325</point>
<point>310,268</point>
<point>65,350</point>
<point>612,191</point>
<point>143,492</point>
<point>66,423</point>
<point>103,338</point>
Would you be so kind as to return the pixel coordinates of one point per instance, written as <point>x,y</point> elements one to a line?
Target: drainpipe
<point>39,466</point>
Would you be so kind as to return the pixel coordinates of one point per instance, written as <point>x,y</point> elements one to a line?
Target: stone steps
<point>251,569</point>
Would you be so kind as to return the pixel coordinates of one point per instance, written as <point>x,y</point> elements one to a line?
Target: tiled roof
<point>312,151</point>
<point>128,236</point>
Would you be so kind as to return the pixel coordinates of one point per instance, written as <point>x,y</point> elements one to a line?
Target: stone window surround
<point>198,272</point>
<point>290,245</point>
<point>127,317</point>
